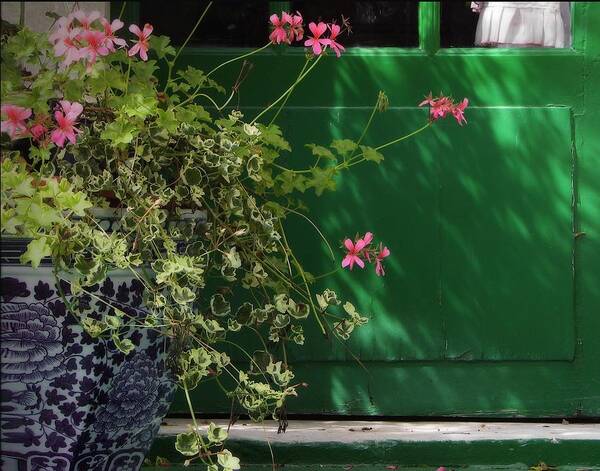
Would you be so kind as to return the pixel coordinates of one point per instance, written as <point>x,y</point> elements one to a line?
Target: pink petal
<point>346,261</point>
<point>135,29</point>
<point>148,28</point>
<point>368,237</point>
<point>143,53</point>
<point>360,244</point>
<point>316,48</point>
<point>321,28</point>
<point>359,262</point>
<point>116,25</point>
<point>134,50</point>
<point>349,245</point>
<point>274,19</point>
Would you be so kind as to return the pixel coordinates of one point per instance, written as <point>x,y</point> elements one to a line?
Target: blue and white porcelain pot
<point>70,402</point>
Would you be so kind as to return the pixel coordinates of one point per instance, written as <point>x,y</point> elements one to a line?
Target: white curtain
<point>523,24</point>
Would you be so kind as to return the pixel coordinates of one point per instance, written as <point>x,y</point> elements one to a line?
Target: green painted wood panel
<point>492,302</point>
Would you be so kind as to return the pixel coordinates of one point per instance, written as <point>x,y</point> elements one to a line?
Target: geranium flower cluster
<point>39,128</point>
<point>83,36</point>
<point>441,106</point>
<point>289,28</point>
<point>359,248</point>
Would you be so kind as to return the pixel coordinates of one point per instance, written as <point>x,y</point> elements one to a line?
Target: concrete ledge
<point>300,431</point>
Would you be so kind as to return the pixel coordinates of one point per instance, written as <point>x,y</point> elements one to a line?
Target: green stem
<point>288,95</point>
<point>301,271</point>
<point>187,40</point>
<point>298,80</point>
<point>198,434</point>
<point>21,14</point>
<point>364,133</point>
<point>122,10</point>
<point>237,59</point>
<point>350,163</point>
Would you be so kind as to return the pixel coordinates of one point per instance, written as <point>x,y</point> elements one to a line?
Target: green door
<point>491,302</point>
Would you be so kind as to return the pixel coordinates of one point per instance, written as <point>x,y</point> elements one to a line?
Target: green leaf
<point>344,147</point>
<point>119,132</point>
<point>76,202</point>
<point>322,179</point>
<point>195,77</point>
<point>320,151</point>
<point>188,444</point>
<point>371,154</point>
<point>138,105</point>
<point>166,120</point>
<point>161,46</point>
<point>37,249</point>
<point>271,136</point>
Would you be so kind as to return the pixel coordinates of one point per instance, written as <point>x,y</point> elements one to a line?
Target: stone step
<point>366,445</point>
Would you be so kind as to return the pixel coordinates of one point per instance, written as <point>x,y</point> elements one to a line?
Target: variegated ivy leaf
<point>216,435</point>
<point>328,298</point>
<point>228,461</point>
<point>219,305</point>
<point>123,345</point>
<point>188,444</point>
<point>281,375</point>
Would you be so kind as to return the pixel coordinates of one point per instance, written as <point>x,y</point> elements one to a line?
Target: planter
<point>69,401</point>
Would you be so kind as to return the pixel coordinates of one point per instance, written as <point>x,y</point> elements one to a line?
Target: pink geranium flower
<point>14,125</point>
<point>383,252</point>
<point>61,28</point>
<point>315,41</point>
<point>458,111</point>
<point>38,131</point>
<point>142,45</point>
<point>96,45</point>
<point>279,35</point>
<point>354,252</point>
<point>331,41</point>
<point>109,33</point>
<point>67,46</point>
<point>66,120</point>
<point>296,30</point>
<point>442,106</point>
<point>86,20</point>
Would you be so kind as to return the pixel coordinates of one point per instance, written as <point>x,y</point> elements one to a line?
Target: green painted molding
<point>429,27</point>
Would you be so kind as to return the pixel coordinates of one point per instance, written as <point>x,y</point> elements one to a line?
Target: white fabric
<point>524,24</point>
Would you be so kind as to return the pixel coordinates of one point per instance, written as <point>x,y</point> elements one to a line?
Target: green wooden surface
<point>570,454</point>
<point>491,306</point>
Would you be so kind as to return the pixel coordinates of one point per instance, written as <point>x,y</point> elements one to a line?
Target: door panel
<point>491,304</point>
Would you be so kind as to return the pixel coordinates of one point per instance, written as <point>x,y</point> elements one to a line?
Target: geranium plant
<point>87,123</point>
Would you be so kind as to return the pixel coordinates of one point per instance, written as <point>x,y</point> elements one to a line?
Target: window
<point>235,23</point>
<point>374,23</point>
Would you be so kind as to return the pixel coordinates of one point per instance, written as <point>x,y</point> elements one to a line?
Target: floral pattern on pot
<point>68,401</point>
